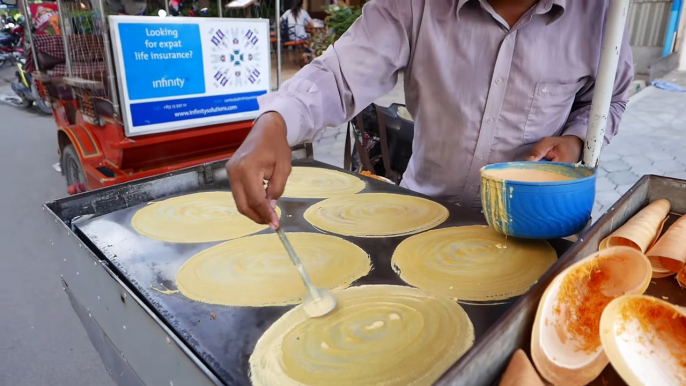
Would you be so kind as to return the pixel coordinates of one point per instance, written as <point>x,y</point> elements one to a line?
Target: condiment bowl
<point>538,210</point>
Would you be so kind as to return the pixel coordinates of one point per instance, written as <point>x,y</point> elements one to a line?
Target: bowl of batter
<point>537,200</point>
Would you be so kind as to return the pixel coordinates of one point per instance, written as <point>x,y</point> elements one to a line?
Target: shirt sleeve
<point>360,67</point>
<point>306,18</point>
<point>577,123</point>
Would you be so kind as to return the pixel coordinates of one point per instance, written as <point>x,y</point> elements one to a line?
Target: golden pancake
<point>377,335</point>
<point>195,218</point>
<point>256,271</point>
<point>376,215</point>
<point>307,182</point>
<point>472,263</point>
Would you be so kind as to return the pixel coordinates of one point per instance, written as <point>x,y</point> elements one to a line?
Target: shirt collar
<point>554,8</point>
<point>460,4</point>
<point>544,6</point>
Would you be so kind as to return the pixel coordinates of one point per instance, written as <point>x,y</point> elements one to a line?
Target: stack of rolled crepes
<point>667,253</point>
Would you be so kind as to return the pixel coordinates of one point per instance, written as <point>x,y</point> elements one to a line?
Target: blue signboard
<point>178,73</point>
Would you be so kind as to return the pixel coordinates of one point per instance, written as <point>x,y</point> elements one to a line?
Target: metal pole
<point>29,32</point>
<point>111,76</point>
<point>65,25</point>
<point>277,27</point>
<point>220,9</point>
<point>605,81</point>
<point>166,7</point>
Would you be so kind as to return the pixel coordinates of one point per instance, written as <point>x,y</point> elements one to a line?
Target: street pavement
<point>42,341</point>
<point>651,140</point>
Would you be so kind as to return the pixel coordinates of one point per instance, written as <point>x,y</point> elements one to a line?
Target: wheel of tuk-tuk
<point>72,169</point>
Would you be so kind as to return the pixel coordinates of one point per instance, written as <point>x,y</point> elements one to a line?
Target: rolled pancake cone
<point>641,231</point>
<point>520,372</point>
<point>670,249</point>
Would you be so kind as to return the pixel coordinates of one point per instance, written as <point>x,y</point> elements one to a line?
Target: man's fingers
<point>241,199</point>
<point>258,201</point>
<point>541,150</point>
<point>277,181</point>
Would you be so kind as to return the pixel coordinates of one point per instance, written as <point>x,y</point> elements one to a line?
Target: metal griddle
<point>224,337</point>
<point>146,338</point>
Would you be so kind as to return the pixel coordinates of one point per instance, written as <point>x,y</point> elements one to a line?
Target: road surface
<point>42,341</point>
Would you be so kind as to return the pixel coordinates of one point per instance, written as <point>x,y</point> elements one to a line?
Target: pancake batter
<point>307,182</point>
<point>256,271</point>
<point>378,335</point>
<point>526,175</point>
<point>376,215</point>
<point>472,263</point>
<point>195,218</point>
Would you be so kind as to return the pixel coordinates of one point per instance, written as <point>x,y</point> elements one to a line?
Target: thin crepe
<point>641,231</point>
<point>670,250</point>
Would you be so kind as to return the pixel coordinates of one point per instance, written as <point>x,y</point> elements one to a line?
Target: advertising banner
<point>180,73</point>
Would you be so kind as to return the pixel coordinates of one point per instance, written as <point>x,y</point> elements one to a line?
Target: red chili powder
<point>580,303</point>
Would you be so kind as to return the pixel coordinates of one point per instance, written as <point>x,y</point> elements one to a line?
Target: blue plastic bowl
<point>538,210</point>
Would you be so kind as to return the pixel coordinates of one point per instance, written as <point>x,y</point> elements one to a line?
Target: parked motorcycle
<point>12,43</point>
<point>25,87</point>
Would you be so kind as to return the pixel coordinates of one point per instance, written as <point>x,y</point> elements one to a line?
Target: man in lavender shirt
<point>486,80</point>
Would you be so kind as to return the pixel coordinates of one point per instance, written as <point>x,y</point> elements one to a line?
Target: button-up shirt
<point>480,91</point>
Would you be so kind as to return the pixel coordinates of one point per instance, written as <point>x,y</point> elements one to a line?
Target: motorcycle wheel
<point>45,109</point>
<point>26,103</point>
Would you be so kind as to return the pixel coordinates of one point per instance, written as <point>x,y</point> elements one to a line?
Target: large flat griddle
<point>224,337</point>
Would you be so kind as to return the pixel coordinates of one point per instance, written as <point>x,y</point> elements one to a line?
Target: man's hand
<point>264,155</point>
<point>558,149</point>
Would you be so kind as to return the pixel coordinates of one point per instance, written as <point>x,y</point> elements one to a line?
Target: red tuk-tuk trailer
<point>103,109</point>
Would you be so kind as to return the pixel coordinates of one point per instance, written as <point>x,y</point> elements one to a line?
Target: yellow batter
<point>256,271</point>
<point>377,335</point>
<point>525,175</point>
<point>376,215</point>
<point>472,263</point>
<point>307,182</point>
<point>195,218</point>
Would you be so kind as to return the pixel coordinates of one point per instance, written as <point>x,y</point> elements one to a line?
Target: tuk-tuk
<point>135,96</point>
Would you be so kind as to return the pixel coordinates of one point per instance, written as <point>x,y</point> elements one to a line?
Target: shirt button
<point>499,81</point>
<point>489,120</point>
<point>544,90</point>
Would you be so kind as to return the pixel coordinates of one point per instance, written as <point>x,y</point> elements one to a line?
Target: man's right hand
<point>264,155</point>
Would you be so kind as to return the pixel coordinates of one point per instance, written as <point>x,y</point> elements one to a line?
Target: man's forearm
<point>578,121</point>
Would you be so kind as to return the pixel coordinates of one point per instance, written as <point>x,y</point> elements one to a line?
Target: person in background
<point>297,19</point>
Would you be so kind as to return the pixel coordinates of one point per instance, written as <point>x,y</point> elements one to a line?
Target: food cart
<point>115,278</point>
<point>183,95</point>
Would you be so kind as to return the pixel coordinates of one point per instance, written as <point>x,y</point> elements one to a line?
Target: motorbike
<point>12,43</point>
<point>25,87</point>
